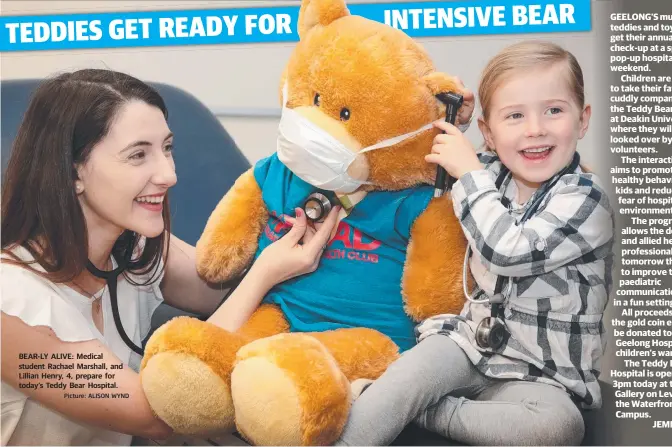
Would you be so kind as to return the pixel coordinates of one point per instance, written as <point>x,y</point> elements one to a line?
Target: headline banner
<point>278,24</point>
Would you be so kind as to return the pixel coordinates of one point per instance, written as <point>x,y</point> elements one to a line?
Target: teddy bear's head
<point>352,83</point>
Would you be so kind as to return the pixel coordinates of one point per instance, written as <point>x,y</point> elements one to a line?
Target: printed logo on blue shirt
<point>356,245</point>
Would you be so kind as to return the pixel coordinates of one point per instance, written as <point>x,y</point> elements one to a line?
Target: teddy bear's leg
<point>294,389</point>
<point>186,370</point>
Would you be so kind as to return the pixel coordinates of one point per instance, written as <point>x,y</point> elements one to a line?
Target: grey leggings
<point>436,386</point>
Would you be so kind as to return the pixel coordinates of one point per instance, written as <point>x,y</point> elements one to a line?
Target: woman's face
<point>125,180</point>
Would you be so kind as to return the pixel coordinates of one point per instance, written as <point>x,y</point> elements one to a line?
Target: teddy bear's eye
<point>345,114</point>
<point>316,100</point>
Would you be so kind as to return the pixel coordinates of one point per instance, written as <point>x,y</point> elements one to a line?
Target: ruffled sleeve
<point>37,302</point>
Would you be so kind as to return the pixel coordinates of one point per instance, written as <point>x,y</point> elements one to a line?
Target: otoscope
<point>453,103</point>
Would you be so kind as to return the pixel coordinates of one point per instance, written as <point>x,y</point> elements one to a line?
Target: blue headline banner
<point>278,24</point>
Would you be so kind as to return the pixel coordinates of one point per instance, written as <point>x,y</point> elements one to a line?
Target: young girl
<point>516,367</point>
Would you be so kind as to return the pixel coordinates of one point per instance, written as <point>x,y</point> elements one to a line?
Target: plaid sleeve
<point>576,222</point>
<point>486,157</point>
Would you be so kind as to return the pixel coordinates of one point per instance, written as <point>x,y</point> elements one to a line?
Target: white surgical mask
<point>318,158</point>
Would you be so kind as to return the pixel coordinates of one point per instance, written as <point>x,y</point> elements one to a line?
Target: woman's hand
<point>296,253</point>
<point>299,251</point>
<point>453,151</point>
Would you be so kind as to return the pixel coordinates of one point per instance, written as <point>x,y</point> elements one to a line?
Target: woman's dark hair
<point>67,116</point>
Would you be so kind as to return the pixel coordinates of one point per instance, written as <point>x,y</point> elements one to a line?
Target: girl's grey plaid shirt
<point>559,262</point>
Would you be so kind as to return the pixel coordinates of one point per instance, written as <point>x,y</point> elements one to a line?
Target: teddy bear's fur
<point>273,385</point>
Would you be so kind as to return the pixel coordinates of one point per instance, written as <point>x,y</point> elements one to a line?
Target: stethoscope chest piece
<point>317,207</point>
<point>490,333</point>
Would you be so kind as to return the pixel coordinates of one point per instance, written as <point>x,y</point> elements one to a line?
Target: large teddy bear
<point>350,87</point>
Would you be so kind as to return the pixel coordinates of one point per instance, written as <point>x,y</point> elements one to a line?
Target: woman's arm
<point>244,300</point>
<point>182,287</point>
<point>131,415</point>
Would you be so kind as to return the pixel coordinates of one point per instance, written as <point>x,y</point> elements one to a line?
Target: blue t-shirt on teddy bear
<point>358,282</point>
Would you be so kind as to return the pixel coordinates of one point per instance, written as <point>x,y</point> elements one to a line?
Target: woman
<point>85,190</point>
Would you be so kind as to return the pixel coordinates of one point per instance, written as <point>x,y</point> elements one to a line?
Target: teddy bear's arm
<point>432,282</point>
<point>231,234</point>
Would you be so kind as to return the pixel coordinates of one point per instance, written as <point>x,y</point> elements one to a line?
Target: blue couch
<point>208,162</point>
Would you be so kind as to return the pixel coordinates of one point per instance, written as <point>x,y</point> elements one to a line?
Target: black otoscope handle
<point>453,103</point>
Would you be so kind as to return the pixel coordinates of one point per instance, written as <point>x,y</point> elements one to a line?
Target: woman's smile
<point>152,202</point>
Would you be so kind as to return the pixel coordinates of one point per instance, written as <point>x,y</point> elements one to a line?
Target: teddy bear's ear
<point>438,82</point>
<point>319,12</point>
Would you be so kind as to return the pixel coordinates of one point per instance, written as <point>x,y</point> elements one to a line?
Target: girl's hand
<point>299,251</point>
<point>453,151</point>
<point>466,112</point>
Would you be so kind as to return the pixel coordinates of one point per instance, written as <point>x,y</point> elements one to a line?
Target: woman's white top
<point>39,302</point>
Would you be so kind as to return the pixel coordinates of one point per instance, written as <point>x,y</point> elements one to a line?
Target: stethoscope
<point>317,205</point>
<point>490,332</point>
<point>110,278</point>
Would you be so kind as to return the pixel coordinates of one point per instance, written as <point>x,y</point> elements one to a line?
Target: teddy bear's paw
<point>187,395</point>
<point>185,375</point>
<point>220,263</point>
<point>288,390</point>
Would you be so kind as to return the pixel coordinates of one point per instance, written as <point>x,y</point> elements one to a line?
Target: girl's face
<point>535,123</point>
<point>125,180</point>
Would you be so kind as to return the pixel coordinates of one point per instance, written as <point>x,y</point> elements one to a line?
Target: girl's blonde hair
<point>526,56</point>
